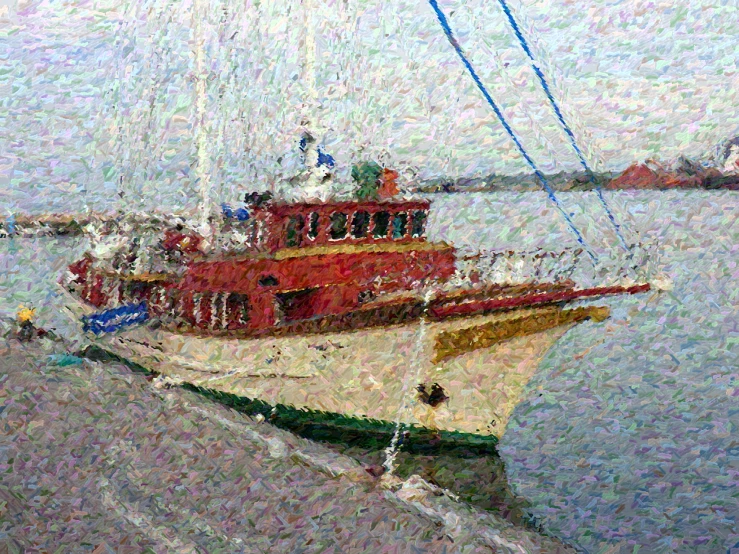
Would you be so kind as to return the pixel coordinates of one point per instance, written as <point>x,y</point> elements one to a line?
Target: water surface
<point>627,438</point>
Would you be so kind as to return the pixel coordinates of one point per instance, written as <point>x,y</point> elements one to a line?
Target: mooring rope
<point>562,122</point>
<point>542,180</point>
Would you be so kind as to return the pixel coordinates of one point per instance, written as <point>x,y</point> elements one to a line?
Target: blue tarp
<point>242,214</point>
<point>325,159</point>
<point>111,320</point>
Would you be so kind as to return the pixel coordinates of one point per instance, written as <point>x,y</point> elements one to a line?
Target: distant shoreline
<point>28,226</point>
<point>456,189</point>
<point>635,177</point>
<point>38,225</point>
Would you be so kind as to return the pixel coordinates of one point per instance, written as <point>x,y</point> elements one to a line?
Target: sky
<point>97,97</point>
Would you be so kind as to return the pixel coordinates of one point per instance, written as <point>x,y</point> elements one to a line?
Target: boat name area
<point>109,321</point>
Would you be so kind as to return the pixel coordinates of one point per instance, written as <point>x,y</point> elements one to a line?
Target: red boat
<point>339,307</point>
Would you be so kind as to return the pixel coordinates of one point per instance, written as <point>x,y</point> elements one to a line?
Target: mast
<point>318,164</point>
<point>203,160</point>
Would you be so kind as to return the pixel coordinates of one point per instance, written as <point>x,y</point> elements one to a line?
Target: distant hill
<point>682,173</point>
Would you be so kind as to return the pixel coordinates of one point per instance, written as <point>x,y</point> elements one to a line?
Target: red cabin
<point>311,260</point>
<point>307,267</point>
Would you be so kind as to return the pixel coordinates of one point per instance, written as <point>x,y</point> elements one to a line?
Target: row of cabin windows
<point>225,309</point>
<point>379,223</point>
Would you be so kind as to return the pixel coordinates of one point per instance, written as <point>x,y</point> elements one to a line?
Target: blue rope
<point>447,29</point>
<point>562,122</point>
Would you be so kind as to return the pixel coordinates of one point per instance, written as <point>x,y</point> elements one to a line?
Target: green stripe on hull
<point>358,431</point>
<point>334,428</point>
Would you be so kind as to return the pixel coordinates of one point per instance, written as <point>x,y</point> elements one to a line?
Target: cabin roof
<point>282,209</point>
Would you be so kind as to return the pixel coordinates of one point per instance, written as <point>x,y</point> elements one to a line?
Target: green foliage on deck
<point>366,175</point>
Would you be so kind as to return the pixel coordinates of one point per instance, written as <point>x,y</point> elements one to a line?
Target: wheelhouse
<point>309,225</point>
<point>313,260</point>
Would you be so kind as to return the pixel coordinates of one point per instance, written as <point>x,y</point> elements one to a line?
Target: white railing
<point>543,266</point>
<point>511,267</point>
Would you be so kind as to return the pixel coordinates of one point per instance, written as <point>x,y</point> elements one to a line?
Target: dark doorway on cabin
<point>136,291</point>
<point>295,230</point>
<point>296,305</point>
<point>237,310</point>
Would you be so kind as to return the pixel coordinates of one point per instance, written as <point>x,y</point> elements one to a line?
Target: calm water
<point>628,439</point>
<point>630,435</point>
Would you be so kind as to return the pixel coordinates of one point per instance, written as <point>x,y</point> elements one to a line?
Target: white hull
<point>372,373</point>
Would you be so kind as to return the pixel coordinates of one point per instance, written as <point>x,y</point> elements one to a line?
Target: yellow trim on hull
<point>454,343</point>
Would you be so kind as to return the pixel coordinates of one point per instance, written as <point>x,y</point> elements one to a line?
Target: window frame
<point>366,224</point>
<point>314,226</point>
<point>424,220</point>
<point>373,229</point>
<point>403,216</point>
<point>296,225</point>
<point>345,225</point>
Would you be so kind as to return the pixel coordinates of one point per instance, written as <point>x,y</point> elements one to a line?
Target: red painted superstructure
<point>309,266</point>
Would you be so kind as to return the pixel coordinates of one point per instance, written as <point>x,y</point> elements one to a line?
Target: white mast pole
<point>310,59</point>
<point>203,165</point>
<point>317,185</point>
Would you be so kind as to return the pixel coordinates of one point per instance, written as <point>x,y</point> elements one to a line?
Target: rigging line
<point>542,180</point>
<point>562,122</point>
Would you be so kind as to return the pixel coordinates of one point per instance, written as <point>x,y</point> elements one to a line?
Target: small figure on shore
<point>26,329</point>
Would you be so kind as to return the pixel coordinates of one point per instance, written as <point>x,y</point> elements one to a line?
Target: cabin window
<point>217,312</point>
<point>400,224</point>
<point>360,225</point>
<point>237,306</point>
<point>136,290</point>
<point>381,223</point>
<point>268,281</point>
<point>296,304</point>
<point>313,225</point>
<point>295,230</point>
<point>419,223</point>
<point>197,301</point>
<point>338,225</point>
